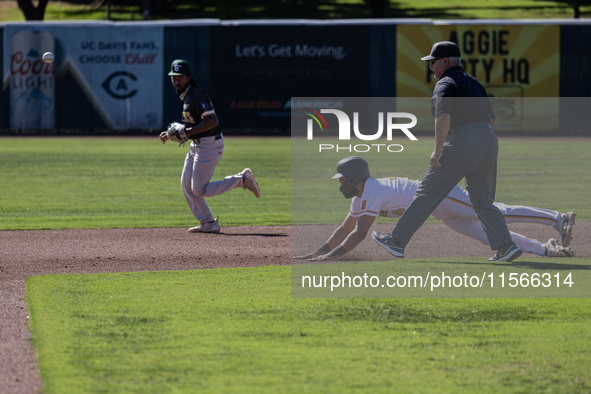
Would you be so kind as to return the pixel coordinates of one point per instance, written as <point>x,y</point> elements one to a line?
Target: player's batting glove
<point>176,132</point>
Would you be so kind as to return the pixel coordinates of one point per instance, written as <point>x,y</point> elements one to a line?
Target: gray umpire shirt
<point>462,97</point>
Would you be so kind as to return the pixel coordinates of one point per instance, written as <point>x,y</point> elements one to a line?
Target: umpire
<point>465,146</point>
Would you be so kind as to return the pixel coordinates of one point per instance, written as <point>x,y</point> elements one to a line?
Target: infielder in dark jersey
<point>200,124</point>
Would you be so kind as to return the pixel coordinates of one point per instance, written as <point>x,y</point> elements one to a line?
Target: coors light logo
<point>32,82</point>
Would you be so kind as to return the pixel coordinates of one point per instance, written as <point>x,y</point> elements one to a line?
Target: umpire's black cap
<point>180,67</point>
<point>443,49</point>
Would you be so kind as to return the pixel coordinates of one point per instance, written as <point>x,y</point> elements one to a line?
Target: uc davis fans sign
<point>107,75</point>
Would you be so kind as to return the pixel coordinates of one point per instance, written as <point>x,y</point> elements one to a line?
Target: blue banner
<point>111,76</point>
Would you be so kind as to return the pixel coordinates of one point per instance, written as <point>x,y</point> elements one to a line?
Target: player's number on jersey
<point>187,118</point>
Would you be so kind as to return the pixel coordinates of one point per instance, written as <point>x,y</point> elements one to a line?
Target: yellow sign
<point>508,60</point>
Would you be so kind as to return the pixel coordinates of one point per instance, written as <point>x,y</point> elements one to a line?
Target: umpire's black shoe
<point>387,242</point>
<point>507,254</point>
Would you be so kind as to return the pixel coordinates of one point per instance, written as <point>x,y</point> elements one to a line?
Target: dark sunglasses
<point>432,61</point>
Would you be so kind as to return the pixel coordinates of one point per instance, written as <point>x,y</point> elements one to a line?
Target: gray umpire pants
<point>469,153</point>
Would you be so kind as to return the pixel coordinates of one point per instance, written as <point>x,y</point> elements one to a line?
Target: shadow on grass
<point>431,310</point>
<point>117,14</point>
<point>255,235</point>
<point>473,12</point>
<point>292,9</point>
<point>550,266</point>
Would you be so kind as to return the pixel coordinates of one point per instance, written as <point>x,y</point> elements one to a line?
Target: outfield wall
<point>112,75</point>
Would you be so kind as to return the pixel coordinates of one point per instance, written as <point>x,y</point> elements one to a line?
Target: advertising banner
<point>257,69</point>
<point>510,61</point>
<point>32,85</point>
<point>117,70</point>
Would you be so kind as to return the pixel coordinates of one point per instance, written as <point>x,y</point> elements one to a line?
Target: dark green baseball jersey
<point>196,106</point>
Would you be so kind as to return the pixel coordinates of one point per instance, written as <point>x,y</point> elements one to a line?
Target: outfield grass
<point>324,9</point>
<point>535,172</point>
<point>53,183</point>
<point>134,182</point>
<point>238,331</point>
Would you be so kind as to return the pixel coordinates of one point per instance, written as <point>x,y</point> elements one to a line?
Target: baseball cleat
<point>387,242</point>
<point>207,227</point>
<point>565,227</point>
<point>250,183</point>
<point>509,254</point>
<point>555,250</point>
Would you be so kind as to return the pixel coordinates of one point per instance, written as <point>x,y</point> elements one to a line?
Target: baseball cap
<point>179,67</point>
<point>443,49</point>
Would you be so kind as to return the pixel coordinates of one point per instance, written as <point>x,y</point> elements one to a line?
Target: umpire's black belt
<point>477,125</point>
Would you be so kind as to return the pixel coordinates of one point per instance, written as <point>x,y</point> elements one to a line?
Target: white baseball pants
<point>198,170</point>
<point>457,213</point>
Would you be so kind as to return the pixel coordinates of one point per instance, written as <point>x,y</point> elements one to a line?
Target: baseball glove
<point>176,132</point>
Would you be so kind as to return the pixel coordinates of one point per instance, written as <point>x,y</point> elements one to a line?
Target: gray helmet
<point>356,170</point>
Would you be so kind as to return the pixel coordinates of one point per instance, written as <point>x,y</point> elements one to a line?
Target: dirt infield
<point>435,240</point>
<point>27,253</point>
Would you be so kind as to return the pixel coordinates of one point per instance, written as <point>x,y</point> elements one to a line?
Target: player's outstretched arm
<point>363,225</point>
<point>354,238</point>
<point>335,239</point>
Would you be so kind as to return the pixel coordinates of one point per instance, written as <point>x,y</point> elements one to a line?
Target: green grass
<point>131,182</point>
<point>325,9</point>
<point>535,172</point>
<point>238,330</point>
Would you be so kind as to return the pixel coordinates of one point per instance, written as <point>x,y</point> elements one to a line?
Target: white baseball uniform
<point>389,197</point>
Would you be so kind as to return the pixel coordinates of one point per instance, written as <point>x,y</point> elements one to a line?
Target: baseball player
<point>389,197</point>
<point>200,125</point>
